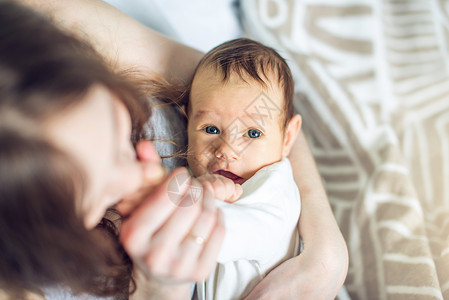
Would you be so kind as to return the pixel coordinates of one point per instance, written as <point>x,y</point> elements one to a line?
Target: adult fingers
<point>188,210</point>
<point>151,214</point>
<point>172,259</point>
<point>199,234</point>
<point>160,245</point>
<point>165,240</point>
<point>146,152</point>
<point>208,257</point>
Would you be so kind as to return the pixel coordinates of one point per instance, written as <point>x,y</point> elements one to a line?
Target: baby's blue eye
<point>211,130</point>
<point>253,133</point>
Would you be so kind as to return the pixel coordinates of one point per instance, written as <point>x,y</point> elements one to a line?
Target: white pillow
<point>199,24</point>
<point>167,128</point>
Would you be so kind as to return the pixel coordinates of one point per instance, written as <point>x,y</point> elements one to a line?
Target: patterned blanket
<point>372,85</point>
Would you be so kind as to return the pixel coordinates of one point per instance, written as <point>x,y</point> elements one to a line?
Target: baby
<point>242,126</point>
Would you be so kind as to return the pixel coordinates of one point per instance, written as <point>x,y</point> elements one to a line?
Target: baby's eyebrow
<point>260,119</point>
<point>202,113</point>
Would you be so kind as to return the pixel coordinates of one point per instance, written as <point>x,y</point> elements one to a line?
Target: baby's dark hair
<point>247,57</point>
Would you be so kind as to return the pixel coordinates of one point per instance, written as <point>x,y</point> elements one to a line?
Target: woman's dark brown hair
<point>43,243</point>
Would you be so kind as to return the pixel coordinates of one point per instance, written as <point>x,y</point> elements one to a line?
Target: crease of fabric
<point>372,85</point>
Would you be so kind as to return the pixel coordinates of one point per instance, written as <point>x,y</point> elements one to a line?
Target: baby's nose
<point>227,150</point>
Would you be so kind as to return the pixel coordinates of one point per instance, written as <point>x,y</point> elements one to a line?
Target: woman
<point>150,229</point>
<point>67,156</point>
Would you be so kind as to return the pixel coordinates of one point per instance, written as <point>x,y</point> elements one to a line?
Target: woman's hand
<point>317,273</point>
<point>174,233</point>
<point>301,278</point>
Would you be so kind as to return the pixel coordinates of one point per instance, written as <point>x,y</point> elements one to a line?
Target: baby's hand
<point>223,188</point>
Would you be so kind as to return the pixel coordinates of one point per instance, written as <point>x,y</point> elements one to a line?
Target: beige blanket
<point>372,83</point>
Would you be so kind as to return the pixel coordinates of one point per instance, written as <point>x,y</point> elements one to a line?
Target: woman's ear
<point>291,132</point>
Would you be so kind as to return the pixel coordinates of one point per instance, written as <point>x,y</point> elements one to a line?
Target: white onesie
<point>261,232</point>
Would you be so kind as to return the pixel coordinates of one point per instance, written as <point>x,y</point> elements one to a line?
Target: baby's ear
<point>291,132</point>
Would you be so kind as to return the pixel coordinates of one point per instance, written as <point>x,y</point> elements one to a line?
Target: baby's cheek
<point>200,154</point>
<point>197,164</point>
<point>198,167</point>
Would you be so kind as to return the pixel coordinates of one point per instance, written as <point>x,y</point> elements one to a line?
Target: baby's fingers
<point>226,189</point>
<point>223,188</point>
<point>237,193</point>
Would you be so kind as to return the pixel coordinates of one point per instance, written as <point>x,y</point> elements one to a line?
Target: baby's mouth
<point>230,175</point>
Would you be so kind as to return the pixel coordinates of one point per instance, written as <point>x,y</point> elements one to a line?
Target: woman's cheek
<point>128,180</point>
<point>94,215</point>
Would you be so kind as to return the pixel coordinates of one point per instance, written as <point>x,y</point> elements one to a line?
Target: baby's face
<point>235,127</point>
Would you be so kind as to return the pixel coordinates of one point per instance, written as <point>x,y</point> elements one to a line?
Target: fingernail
<point>147,152</point>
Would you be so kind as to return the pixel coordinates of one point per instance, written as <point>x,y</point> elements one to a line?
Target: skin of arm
<point>320,270</point>
<point>122,41</point>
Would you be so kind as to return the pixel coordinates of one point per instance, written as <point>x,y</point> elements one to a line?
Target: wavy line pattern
<point>372,85</point>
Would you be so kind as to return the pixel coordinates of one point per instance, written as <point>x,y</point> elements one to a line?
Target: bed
<point>373,89</point>
<point>372,85</point>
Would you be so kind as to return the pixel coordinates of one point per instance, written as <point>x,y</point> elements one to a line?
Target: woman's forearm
<point>317,226</point>
<point>122,41</point>
<point>315,205</point>
<point>320,270</point>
